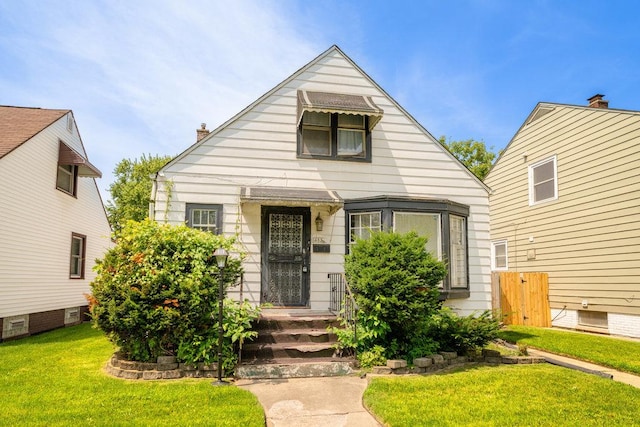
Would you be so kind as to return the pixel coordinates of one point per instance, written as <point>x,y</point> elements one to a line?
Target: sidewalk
<point>312,402</point>
<point>567,362</point>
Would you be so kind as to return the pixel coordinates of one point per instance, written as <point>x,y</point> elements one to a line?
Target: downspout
<point>154,194</point>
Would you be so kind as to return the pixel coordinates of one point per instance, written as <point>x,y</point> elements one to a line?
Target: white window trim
<point>553,159</point>
<point>493,255</point>
<point>379,228</point>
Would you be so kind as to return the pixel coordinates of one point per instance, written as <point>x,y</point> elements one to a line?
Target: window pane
<point>350,142</point>
<point>500,255</point>
<point>426,225</point>
<point>543,191</point>
<point>204,219</point>
<point>316,141</point>
<point>362,224</point>
<point>316,119</point>
<point>543,172</point>
<point>351,120</point>
<point>64,180</point>
<point>458,249</point>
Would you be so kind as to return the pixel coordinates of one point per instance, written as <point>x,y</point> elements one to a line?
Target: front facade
<point>323,158</point>
<point>52,221</point>
<point>566,201</point>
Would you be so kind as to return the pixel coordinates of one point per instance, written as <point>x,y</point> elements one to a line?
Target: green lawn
<point>507,395</point>
<point>603,350</point>
<point>56,379</point>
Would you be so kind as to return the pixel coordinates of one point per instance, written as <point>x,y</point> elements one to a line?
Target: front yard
<point>56,379</point>
<point>508,395</point>
<point>615,353</point>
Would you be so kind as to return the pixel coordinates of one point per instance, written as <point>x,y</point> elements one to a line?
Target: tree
<point>131,191</point>
<point>473,154</point>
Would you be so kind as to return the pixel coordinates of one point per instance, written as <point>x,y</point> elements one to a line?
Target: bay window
<point>443,222</point>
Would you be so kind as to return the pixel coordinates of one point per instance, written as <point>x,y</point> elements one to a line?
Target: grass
<point>508,395</point>
<point>56,379</point>
<point>616,353</point>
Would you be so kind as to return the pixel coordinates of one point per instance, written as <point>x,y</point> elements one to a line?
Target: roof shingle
<point>19,124</point>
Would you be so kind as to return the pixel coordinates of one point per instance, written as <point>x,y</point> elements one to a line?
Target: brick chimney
<point>202,132</point>
<point>596,101</point>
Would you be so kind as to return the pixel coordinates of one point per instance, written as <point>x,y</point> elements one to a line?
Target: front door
<point>285,255</point>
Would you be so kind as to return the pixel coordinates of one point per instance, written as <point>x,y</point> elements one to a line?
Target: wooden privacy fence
<point>522,298</point>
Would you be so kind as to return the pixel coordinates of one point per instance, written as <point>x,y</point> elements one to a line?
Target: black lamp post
<point>220,255</point>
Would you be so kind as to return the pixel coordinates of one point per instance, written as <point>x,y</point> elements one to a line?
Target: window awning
<point>68,156</point>
<point>325,102</point>
<point>278,196</point>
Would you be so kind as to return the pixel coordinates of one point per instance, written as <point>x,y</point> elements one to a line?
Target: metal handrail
<point>343,304</point>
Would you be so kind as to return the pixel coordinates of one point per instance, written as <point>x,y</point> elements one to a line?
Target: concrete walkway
<point>312,402</point>
<point>567,362</point>
<point>337,401</point>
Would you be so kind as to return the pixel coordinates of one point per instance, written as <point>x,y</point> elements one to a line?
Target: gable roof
<point>543,108</point>
<point>292,77</point>
<point>20,124</point>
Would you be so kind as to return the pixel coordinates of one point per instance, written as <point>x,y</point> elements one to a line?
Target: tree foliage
<point>473,154</point>
<point>131,191</point>
<point>156,293</point>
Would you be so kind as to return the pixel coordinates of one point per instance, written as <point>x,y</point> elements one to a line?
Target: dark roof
<point>19,124</point>
<point>301,196</point>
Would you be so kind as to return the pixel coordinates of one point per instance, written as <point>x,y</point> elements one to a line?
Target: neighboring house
<point>52,221</point>
<point>566,201</point>
<point>323,158</point>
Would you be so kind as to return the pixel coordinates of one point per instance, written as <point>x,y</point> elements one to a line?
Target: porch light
<point>221,255</point>
<point>319,223</point>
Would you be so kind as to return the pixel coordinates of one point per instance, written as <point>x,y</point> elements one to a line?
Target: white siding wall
<point>588,240</point>
<point>36,222</point>
<point>258,148</point>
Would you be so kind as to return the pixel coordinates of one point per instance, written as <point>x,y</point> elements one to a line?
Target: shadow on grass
<point>514,337</point>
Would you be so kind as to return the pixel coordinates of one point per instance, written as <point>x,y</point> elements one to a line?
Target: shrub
<point>156,293</point>
<point>462,334</point>
<point>396,285</point>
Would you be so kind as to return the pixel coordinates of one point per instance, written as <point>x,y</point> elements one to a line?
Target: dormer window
<point>336,126</point>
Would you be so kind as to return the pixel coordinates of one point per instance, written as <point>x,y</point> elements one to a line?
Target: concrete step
<point>295,336</point>
<point>278,323</point>
<point>266,351</point>
<point>323,367</point>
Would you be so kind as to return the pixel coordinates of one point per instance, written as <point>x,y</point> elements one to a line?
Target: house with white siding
<point>321,159</point>
<point>52,221</point>
<point>566,202</point>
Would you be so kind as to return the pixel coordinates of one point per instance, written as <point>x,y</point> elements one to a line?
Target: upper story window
<point>72,165</point>
<point>67,178</point>
<point>204,217</point>
<point>499,259</point>
<point>543,181</point>
<point>444,223</point>
<point>335,126</point>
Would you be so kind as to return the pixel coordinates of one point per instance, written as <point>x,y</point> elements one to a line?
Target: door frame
<point>306,244</point>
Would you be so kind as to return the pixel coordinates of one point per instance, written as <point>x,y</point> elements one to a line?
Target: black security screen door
<point>285,255</point>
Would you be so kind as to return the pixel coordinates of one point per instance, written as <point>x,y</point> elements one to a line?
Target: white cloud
<point>141,76</point>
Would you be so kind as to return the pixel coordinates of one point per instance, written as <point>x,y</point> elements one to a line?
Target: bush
<point>396,285</point>
<point>156,293</point>
<point>462,334</point>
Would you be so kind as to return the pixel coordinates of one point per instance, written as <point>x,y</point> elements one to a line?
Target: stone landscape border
<point>166,368</point>
<point>446,359</point>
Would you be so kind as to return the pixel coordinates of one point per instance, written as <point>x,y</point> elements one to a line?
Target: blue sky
<point>142,75</point>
